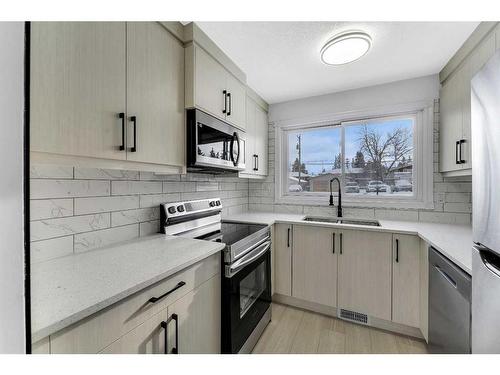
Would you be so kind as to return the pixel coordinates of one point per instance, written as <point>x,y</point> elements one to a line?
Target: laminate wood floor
<point>297,331</point>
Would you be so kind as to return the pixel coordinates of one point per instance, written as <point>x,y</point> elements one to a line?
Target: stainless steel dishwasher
<point>449,306</point>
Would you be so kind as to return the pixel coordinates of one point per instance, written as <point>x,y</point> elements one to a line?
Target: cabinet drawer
<point>146,338</point>
<point>96,332</point>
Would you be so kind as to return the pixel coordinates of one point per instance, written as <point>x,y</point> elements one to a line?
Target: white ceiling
<point>281,59</point>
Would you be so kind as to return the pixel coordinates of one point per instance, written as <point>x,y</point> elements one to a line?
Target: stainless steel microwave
<point>213,145</point>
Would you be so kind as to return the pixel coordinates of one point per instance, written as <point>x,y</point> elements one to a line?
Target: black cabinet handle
<point>462,161</point>
<point>225,101</point>
<point>397,250</point>
<point>121,115</point>
<point>156,299</point>
<point>288,238</point>
<point>333,245</point>
<point>164,325</point>
<point>134,121</point>
<point>457,143</point>
<point>257,161</point>
<point>230,104</point>
<point>175,349</point>
<point>254,162</point>
<point>341,244</point>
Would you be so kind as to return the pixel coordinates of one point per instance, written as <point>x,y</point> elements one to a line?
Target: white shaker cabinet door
<point>315,252</point>
<point>406,280</point>
<point>155,95</point>
<point>209,84</point>
<point>78,88</point>
<point>364,283</point>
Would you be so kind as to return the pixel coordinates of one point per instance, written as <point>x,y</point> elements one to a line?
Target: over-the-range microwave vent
<point>353,316</point>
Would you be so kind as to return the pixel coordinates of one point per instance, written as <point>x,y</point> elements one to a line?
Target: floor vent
<point>353,316</point>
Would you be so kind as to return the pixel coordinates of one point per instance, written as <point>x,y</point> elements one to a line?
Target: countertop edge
<point>416,231</point>
<point>76,317</point>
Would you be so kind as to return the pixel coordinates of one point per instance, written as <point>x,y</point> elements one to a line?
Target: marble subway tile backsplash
<point>81,209</point>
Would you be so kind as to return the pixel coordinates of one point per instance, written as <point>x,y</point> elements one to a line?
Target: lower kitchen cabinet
<point>147,338</point>
<point>197,316</point>
<point>283,259</point>
<point>192,325</point>
<point>364,272</point>
<point>314,266</point>
<point>406,280</point>
<point>134,324</point>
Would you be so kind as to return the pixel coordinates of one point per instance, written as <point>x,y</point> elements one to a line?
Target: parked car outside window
<point>402,185</point>
<point>295,188</point>
<point>377,186</point>
<point>351,187</point>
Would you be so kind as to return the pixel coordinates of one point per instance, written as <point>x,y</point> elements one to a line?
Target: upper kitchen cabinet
<point>452,113</point>
<point>77,88</point>
<point>155,95</point>
<point>107,94</point>
<point>455,102</point>
<point>213,89</point>
<point>256,142</point>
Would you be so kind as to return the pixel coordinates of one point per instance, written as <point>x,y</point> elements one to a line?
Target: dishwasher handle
<point>446,276</point>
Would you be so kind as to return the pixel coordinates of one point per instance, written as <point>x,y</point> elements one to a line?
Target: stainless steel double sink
<point>340,220</point>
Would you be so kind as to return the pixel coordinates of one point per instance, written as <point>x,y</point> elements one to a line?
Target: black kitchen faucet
<point>339,206</point>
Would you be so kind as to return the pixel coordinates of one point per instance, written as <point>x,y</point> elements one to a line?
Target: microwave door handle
<point>235,140</point>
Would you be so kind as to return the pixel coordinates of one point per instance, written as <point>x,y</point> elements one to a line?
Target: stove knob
<point>171,210</point>
<point>180,208</point>
<point>217,203</point>
<point>212,204</point>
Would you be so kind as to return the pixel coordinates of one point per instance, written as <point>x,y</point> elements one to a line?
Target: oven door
<point>246,296</point>
<point>214,143</point>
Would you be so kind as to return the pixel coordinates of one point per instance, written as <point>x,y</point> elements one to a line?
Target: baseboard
<point>333,311</point>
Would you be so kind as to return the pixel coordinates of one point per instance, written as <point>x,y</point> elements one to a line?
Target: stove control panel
<point>189,208</point>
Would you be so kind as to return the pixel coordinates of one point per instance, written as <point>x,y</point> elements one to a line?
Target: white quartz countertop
<point>452,240</point>
<point>68,289</point>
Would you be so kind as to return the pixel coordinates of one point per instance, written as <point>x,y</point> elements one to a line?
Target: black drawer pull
<point>121,115</point>
<point>164,325</point>
<point>397,250</point>
<point>224,92</point>
<point>460,159</point>
<point>333,241</point>
<point>341,243</point>
<point>175,350</point>
<point>134,120</point>
<point>156,299</point>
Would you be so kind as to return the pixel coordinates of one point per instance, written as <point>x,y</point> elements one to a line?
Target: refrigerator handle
<point>487,261</point>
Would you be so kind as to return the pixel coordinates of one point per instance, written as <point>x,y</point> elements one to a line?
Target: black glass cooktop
<point>231,233</point>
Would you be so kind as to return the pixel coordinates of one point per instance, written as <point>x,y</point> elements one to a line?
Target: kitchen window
<point>381,161</point>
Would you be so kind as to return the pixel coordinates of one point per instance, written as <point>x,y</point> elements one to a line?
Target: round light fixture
<point>345,48</point>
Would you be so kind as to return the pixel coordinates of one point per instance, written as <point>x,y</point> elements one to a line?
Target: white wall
<point>408,91</point>
<point>11,188</point>
<point>452,199</point>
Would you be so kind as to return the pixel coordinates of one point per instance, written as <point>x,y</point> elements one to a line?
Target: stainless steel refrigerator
<point>485,117</point>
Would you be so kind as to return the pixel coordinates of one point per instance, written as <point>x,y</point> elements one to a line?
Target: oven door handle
<point>237,266</point>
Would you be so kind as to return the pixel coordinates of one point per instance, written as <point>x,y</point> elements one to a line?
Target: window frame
<point>422,112</point>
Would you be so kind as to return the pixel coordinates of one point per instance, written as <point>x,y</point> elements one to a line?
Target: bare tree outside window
<point>385,151</point>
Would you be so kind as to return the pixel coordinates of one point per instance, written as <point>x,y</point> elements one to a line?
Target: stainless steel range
<point>246,281</point>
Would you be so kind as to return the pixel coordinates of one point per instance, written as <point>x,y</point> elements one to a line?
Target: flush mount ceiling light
<point>345,48</point>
